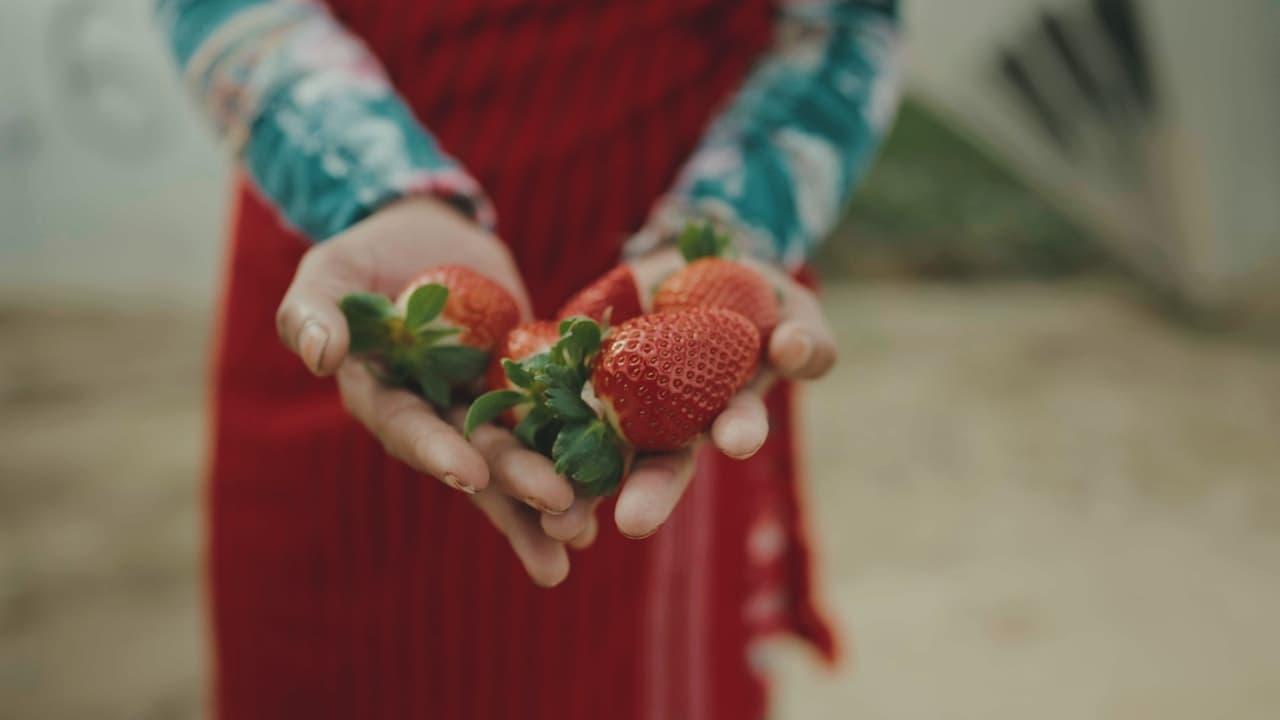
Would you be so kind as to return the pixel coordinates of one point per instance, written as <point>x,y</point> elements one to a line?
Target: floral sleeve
<point>310,112</point>
<point>779,163</point>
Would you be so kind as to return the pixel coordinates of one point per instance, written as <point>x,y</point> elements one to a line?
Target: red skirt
<point>344,585</point>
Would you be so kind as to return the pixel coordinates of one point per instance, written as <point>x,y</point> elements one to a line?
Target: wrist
<point>446,189</point>
<point>673,213</point>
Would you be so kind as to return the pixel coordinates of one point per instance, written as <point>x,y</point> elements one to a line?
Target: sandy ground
<point>1036,502</point>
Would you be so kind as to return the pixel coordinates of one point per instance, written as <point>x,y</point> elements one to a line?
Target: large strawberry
<point>615,295</point>
<point>663,378</point>
<point>652,384</point>
<point>438,333</point>
<point>713,279</point>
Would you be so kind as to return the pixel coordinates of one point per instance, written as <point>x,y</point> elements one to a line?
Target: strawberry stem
<point>406,349</point>
<point>702,240</point>
<point>560,424</point>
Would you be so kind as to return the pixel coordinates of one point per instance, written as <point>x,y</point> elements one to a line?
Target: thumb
<point>309,320</point>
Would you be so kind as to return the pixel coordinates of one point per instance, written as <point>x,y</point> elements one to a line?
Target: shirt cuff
<point>315,120</point>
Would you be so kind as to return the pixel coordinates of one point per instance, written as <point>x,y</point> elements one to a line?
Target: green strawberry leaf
<point>702,240</point>
<point>572,379</point>
<point>489,406</point>
<point>428,335</point>
<point>517,374</point>
<point>401,365</point>
<point>579,339</point>
<point>527,429</point>
<point>588,453</point>
<point>537,366</point>
<point>568,405</point>
<point>457,364</point>
<point>425,304</point>
<point>434,388</point>
<point>386,374</point>
<point>538,429</point>
<point>545,437</point>
<point>367,320</point>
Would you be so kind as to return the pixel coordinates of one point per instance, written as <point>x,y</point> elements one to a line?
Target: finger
<point>741,429</point>
<point>517,471</point>
<point>308,320</point>
<point>411,431</point>
<point>651,492</point>
<point>544,559</point>
<point>571,524</point>
<point>585,539</point>
<point>802,348</point>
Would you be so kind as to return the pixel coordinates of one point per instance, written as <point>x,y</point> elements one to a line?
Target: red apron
<point>345,586</point>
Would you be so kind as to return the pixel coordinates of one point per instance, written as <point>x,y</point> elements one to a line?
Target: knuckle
<point>428,437</point>
<point>508,464</point>
<point>392,423</point>
<point>487,440</point>
<point>284,316</point>
<point>314,259</point>
<point>347,396</point>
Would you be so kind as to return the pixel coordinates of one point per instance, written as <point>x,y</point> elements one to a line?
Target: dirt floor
<point>1036,502</point>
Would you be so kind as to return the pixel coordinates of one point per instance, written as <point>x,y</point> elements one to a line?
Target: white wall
<point>1191,194</point>
<point>109,182</point>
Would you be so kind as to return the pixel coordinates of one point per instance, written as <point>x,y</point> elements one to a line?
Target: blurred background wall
<point>110,187</point>
<point>1151,125</point>
<point>1041,497</point>
<point>1152,122</point>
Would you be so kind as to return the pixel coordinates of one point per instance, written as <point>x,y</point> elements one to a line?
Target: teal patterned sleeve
<point>309,112</point>
<point>779,163</point>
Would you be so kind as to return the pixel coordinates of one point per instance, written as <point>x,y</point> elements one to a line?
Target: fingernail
<point>456,483</point>
<point>533,503</point>
<point>642,537</point>
<point>312,340</point>
<point>537,505</point>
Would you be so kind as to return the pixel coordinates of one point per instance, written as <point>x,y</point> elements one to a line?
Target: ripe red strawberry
<point>523,342</point>
<point>615,292</point>
<point>711,279</point>
<point>437,335</point>
<point>480,308</point>
<point>663,378</point>
<point>653,384</point>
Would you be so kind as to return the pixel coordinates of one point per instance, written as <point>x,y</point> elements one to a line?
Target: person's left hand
<point>802,347</point>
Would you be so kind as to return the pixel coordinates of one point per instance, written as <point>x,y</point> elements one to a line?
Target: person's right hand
<point>508,482</point>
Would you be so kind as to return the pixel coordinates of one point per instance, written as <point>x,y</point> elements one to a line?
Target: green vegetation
<point>937,205</point>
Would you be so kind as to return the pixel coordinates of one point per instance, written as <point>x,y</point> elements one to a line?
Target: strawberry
<point>615,294</point>
<point>523,342</point>
<point>663,378</point>
<point>536,386</point>
<point>438,333</point>
<point>652,384</point>
<point>480,308</point>
<point>712,279</point>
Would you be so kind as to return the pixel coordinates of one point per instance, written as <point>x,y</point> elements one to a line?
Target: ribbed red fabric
<point>345,586</point>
